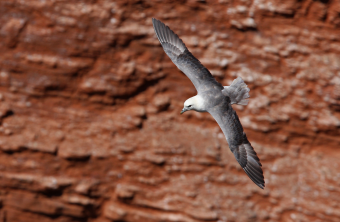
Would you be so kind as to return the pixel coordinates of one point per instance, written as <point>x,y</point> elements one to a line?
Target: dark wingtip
<point>154,21</point>
<point>166,35</point>
<point>258,179</point>
<point>157,27</point>
<point>262,186</point>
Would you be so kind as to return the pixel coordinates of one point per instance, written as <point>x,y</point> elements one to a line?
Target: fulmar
<point>215,99</point>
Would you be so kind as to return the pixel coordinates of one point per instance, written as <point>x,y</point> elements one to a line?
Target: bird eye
<point>189,106</point>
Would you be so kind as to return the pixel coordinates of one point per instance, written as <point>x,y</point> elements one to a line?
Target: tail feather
<point>238,92</point>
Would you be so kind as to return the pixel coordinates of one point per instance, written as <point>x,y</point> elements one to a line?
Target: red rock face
<point>89,111</point>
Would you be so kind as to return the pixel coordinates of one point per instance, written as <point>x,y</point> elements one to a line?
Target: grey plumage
<point>215,99</point>
<point>183,59</point>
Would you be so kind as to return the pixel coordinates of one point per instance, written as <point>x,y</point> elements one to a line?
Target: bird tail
<point>238,92</point>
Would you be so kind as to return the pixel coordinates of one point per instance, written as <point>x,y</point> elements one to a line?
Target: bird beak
<point>183,110</point>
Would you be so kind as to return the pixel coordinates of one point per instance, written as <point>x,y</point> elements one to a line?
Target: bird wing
<point>239,145</point>
<point>183,59</point>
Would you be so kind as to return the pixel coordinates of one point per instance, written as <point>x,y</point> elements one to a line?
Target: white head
<point>194,103</point>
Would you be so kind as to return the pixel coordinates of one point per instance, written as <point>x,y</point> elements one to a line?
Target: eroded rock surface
<point>89,111</point>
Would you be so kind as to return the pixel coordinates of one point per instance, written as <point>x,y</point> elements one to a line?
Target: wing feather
<point>183,59</point>
<point>244,153</point>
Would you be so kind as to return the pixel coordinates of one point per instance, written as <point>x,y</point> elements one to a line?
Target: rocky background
<point>89,111</point>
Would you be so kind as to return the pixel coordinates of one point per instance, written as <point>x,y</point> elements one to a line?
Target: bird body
<point>212,97</point>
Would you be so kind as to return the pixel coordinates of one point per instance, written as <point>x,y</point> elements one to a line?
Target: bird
<point>215,99</point>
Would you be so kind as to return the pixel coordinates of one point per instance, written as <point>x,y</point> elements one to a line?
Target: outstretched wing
<point>183,59</point>
<point>239,145</point>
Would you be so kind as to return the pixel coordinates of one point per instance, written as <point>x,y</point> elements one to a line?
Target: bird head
<point>189,104</point>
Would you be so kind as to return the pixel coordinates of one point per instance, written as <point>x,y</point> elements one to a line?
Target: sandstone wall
<point>89,111</point>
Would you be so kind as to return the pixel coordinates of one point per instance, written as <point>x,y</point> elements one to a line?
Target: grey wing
<point>239,145</point>
<point>183,59</point>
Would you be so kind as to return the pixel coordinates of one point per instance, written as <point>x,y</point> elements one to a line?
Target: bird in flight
<point>214,98</point>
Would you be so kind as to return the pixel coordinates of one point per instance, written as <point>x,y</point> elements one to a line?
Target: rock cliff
<point>89,111</point>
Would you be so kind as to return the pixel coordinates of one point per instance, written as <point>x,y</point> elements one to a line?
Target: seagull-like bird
<point>212,97</point>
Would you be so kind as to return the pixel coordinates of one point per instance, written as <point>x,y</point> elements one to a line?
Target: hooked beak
<point>183,110</point>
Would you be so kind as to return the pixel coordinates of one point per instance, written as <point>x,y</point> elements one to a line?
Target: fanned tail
<point>238,92</point>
